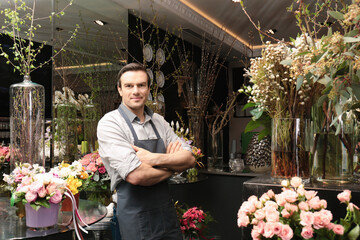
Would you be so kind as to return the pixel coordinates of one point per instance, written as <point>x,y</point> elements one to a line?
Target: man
<point>140,152</point>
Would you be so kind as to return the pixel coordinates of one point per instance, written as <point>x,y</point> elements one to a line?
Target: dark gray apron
<point>146,212</point>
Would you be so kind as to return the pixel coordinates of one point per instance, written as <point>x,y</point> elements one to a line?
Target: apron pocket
<point>157,223</point>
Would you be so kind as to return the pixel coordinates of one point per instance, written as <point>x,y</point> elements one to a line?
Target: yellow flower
<point>73,184</point>
<point>64,165</point>
<point>84,175</point>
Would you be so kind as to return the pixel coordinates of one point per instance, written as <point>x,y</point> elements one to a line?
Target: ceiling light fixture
<point>100,22</point>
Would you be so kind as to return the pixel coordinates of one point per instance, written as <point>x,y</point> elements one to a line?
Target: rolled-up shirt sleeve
<point>115,148</point>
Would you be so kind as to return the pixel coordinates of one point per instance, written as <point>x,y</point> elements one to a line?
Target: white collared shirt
<point>115,140</point>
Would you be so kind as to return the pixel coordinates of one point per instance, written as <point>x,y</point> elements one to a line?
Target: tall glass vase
<point>333,147</point>
<point>27,110</point>
<point>65,133</point>
<point>290,148</point>
<point>215,152</point>
<point>91,118</point>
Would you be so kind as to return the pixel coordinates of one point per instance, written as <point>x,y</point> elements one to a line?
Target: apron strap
<point>127,120</point>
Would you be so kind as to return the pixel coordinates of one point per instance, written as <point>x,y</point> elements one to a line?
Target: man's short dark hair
<point>132,67</point>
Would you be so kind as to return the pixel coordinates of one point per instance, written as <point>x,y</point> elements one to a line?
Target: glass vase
<point>27,110</point>
<point>333,148</point>
<point>215,152</point>
<point>290,148</point>
<point>65,133</point>
<point>91,118</point>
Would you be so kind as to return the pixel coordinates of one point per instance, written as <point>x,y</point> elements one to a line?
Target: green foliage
<point>21,25</point>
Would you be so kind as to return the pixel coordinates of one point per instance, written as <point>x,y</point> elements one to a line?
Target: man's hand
<point>143,155</point>
<point>173,147</point>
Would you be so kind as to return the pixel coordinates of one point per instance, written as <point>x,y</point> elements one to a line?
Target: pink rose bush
<point>193,222</point>
<point>296,213</point>
<point>31,184</point>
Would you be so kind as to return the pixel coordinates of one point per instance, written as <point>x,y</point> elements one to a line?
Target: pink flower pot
<point>44,217</point>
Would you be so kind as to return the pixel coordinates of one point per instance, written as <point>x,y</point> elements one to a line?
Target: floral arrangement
<point>98,182</point>
<point>74,174</point>
<point>31,184</point>
<point>296,213</point>
<point>193,221</point>
<point>4,158</point>
<point>21,170</point>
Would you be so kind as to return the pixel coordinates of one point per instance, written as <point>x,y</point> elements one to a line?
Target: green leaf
<point>356,216</point>
<point>34,206</point>
<point>356,89</point>
<point>326,90</point>
<point>299,82</point>
<point>256,113</point>
<point>96,177</point>
<point>249,105</point>
<point>336,15</point>
<point>352,33</point>
<point>354,233</point>
<point>351,39</point>
<point>325,81</point>
<point>252,125</point>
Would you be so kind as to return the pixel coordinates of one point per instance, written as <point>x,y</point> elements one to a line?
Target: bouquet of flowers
<point>193,221</point>
<point>74,174</point>
<point>31,184</point>
<point>98,182</point>
<point>21,170</point>
<point>296,213</point>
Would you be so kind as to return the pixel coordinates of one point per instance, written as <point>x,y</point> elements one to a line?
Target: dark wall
<point>174,103</point>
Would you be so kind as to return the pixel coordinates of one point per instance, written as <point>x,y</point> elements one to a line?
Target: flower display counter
<point>11,227</point>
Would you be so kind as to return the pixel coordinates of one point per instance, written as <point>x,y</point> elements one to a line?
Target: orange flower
<point>84,175</point>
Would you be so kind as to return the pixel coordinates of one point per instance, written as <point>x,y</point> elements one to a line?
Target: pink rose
<point>286,232</point>
<point>30,196</point>
<point>243,220</point>
<point>315,203</point>
<point>42,192</point>
<point>22,188</point>
<point>307,218</point>
<point>338,229</point>
<point>272,215</point>
<point>277,228</point>
<point>248,207</point>
<point>270,193</point>
<point>19,177</point>
<point>322,219</point>
<point>303,206</point>
<point>91,167</point>
<point>345,196</point>
<point>102,170</point>
<point>260,227</point>
<point>259,214</point>
<point>36,186</point>
<point>285,213</point>
<point>99,161</point>
<point>310,194</point>
<point>26,180</point>
<point>56,198</point>
<point>51,188</point>
<point>85,161</point>
<point>300,191</point>
<point>255,234</point>
<point>323,203</point>
<point>269,230</point>
<point>307,232</point>
<point>290,196</point>
<point>271,204</point>
<point>280,200</point>
<point>295,182</point>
